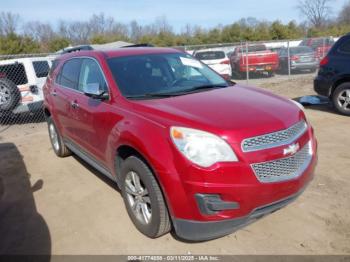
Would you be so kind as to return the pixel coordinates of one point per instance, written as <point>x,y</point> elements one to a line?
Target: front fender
<point>153,143</point>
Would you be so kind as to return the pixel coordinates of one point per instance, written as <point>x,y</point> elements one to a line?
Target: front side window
<point>162,75</point>
<point>90,73</point>
<point>69,75</point>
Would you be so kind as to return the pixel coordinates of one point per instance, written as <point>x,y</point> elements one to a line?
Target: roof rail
<point>76,48</point>
<point>139,45</point>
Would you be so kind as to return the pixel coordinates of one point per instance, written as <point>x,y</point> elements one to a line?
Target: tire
<point>60,149</point>
<point>341,99</point>
<point>144,202</point>
<point>10,95</point>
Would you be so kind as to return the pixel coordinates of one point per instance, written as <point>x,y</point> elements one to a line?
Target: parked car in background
<point>217,60</point>
<point>187,148</point>
<point>255,59</point>
<point>320,45</point>
<point>21,82</point>
<point>301,58</point>
<point>333,79</point>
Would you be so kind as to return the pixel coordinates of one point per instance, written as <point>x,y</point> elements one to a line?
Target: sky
<point>206,13</point>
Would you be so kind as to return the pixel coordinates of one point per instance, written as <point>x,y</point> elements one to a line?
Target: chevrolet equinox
<point>190,151</point>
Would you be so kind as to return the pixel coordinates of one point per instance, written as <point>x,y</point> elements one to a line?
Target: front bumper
<point>232,196</point>
<point>201,231</point>
<point>322,86</point>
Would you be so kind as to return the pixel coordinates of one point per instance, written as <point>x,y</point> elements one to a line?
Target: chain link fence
<point>264,59</point>
<point>23,76</point>
<point>21,96</point>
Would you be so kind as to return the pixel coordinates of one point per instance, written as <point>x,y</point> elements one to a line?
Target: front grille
<point>275,139</point>
<point>285,168</point>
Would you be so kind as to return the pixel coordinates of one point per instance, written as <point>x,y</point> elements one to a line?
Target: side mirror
<point>93,90</point>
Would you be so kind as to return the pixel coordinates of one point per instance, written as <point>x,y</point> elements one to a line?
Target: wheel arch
<point>47,112</point>
<point>342,80</point>
<point>124,151</point>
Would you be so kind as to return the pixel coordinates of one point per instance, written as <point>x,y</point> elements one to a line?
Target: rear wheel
<point>9,95</point>
<point>60,149</point>
<point>341,99</point>
<point>143,198</point>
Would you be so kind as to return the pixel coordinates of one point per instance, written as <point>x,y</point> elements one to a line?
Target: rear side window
<point>69,75</point>
<point>210,55</point>
<point>14,72</point>
<point>345,47</point>
<point>41,68</point>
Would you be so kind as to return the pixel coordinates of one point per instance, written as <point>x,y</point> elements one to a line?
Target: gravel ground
<point>62,206</point>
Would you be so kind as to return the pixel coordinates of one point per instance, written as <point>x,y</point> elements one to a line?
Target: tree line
<point>40,37</point>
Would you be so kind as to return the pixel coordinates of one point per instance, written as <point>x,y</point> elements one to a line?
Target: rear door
<point>64,91</point>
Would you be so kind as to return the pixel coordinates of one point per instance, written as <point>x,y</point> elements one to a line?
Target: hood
<point>237,111</point>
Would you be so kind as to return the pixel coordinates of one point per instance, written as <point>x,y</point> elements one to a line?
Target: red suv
<point>188,150</point>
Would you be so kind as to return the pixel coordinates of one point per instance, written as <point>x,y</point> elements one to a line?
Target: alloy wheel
<point>54,137</point>
<point>4,95</point>
<point>344,99</point>
<point>138,198</point>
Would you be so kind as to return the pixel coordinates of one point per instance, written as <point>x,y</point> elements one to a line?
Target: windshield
<point>160,74</point>
<point>210,55</point>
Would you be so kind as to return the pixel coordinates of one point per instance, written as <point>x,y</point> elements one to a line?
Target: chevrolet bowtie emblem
<point>291,150</point>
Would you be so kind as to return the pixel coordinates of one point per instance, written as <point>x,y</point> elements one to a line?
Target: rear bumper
<point>259,68</point>
<point>322,86</point>
<point>201,231</point>
<point>304,66</point>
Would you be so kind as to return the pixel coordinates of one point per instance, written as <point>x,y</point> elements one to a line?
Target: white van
<point>21,82</point>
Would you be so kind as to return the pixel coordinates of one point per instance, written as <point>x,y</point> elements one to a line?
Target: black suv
<point>333,79</point>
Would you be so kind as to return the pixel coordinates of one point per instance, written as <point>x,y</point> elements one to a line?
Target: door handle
<point>74,104</point>
<point>54,93</point>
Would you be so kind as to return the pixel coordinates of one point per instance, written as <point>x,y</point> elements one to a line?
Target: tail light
<point>294,58</point>
<point>225,62</point>
<point>324,61</point>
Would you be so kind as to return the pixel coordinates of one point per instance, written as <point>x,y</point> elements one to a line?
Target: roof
<point>113,45</point>
<point>100,47</point>
<point>122,52</point>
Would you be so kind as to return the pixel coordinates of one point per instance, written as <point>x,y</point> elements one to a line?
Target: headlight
<point>201,148</point>
<point>301,107</point>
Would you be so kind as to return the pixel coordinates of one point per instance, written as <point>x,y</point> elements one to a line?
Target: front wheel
<point>143,198</point>
<point>60,149</point>
<point>341,99</point>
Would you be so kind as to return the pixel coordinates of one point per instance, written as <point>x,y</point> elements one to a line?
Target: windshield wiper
<point>151,95</point>
<point>204,87</point>
<point>176,93</point>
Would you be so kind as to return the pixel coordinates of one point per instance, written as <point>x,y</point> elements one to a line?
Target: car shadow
<point>23,231</point>
<point>324,106</point>
<point>97,173</point>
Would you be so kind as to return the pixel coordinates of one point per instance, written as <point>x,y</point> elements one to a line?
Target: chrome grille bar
<point>285,168</point>
<point>275,139</point>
